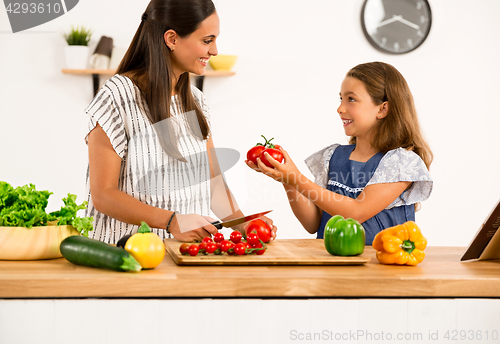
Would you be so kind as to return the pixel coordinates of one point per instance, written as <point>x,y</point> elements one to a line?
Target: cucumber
<point>81,250</point>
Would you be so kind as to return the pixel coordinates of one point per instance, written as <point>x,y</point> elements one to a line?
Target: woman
<point>151,155</point>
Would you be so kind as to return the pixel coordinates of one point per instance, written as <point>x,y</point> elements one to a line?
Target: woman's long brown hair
<point>148,63</point>
<point>400,127</point>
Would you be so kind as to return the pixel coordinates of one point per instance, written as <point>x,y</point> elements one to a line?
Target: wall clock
<point>396,26</point>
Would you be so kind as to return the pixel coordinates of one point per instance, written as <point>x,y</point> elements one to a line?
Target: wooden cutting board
<point>279,252</point>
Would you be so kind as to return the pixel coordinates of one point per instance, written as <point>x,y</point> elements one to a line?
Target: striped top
<point>147,172</point>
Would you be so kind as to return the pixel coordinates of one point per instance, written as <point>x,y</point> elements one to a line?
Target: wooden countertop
<point>441,274</point>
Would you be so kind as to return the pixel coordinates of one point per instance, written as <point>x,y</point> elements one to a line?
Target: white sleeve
<point>103,110</point>
<point>400,165</point>
<point>318,163</point>
<point>202,102</point>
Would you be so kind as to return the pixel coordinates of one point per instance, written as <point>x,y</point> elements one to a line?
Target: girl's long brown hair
<point>148,63</point>
<point>400,127</point>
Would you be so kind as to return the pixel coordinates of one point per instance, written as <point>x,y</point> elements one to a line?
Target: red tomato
<point>211,247</point>
<point>184,248</point>
<point>207,239</point>
<point>218,237</point>
<point>202,247</point>
<point>193,250</point>
<point>226,245</point>
<point>236,237</point>
<point>254,153</point>
<point>259,252</point>
<point>274,153</point>
<point>261,228</point>
<point>240,249</point>
<point>253,238</point>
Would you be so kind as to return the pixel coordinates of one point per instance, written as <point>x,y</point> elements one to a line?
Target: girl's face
<point>358,112</point>
<point>191,53</point>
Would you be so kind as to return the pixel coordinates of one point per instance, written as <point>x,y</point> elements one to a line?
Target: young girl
<point>381,176</point>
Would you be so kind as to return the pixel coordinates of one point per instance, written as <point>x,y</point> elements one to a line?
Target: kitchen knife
<point>238,221</point>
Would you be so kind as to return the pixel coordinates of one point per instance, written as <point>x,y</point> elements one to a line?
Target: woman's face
<point>191,53</point>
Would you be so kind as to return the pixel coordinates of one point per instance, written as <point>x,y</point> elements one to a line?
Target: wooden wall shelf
<point>97,72</point>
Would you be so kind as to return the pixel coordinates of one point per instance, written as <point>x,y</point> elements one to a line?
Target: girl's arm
<point>372,200</point>
<point>223,203</point>
<point>308,214</point>
<point>104,168</point>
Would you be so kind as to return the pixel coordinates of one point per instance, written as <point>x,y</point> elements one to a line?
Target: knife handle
<point>217,224</point>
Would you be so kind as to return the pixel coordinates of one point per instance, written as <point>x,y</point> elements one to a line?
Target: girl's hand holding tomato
<point>257,152</point>
<point>286,172</point>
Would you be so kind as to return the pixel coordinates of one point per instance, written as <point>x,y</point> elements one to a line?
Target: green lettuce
<point>24,206</point>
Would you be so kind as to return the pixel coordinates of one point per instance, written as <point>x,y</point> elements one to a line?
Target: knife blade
<point>238,221</point>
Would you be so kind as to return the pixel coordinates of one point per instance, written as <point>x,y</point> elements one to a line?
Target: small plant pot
<point>77,56</point>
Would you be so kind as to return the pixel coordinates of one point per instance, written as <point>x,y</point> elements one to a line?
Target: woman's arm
<point>372,200</point>
<point>104,168</point>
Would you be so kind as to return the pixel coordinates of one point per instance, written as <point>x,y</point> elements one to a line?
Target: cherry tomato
<point>193,250</point>
<point>218,237</point>
<point>259,252</point>
<point>253,238</point>
<point>184,248</point>
<point>240,249</point>
<point>236,237</point>
<point>202,247</point>
<point>207,239</point>
<point>274,153</point>
<point>261,228</point>
<point>254,153</point>
<point>211,247</point>
<point>225,245</point>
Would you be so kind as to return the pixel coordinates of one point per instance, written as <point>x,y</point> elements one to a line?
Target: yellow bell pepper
<point>402,245</point>
<point>146,247</point>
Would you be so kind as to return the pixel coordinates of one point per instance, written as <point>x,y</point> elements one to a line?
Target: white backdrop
<point>292,56</point>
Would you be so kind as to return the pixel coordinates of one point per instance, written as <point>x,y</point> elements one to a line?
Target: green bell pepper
<point>344,237</point>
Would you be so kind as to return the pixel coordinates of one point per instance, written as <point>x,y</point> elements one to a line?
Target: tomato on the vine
<point>184,248</point>
<point>202,247</point>
<point>254,153</point>
<point>236,237</point>
<point>240,249</point>
<point>259,246</point>
<point>261,228</point>
<point>253,238</point>
<point>226,245</point>
<point>193,250</point>
<point>211,247</point>
<point>207,239</point>
<point>218,237</point>
<point>258,152</point>
<point>274,153</point>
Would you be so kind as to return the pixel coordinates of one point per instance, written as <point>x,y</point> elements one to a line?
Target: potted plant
<point>77,51</point>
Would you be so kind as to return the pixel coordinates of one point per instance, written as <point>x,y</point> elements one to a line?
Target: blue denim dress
<point>347,177</point>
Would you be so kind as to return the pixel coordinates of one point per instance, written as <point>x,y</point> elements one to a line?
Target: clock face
<point>396,26</point>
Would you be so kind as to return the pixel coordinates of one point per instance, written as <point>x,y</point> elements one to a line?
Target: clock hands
<point>401,20</point>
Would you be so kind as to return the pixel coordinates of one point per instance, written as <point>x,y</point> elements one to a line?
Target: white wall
<point>292,58</point>
<point>221,321</point>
